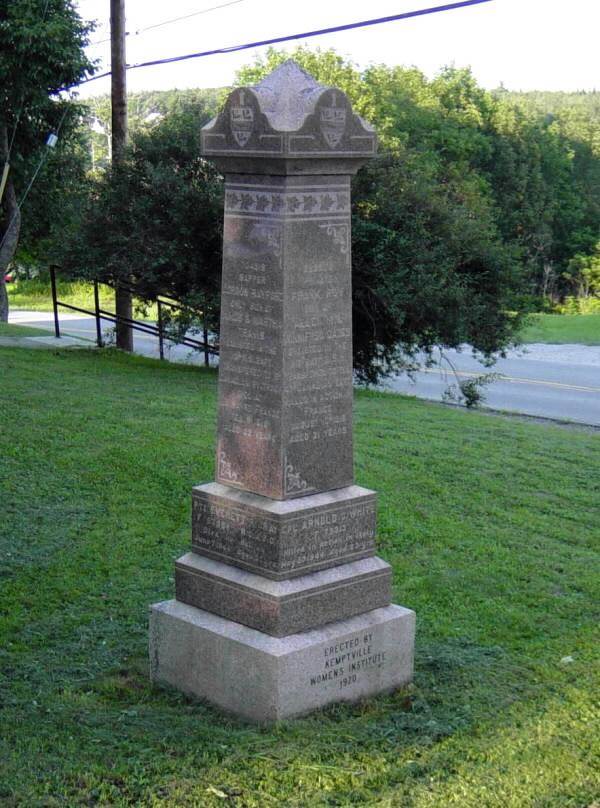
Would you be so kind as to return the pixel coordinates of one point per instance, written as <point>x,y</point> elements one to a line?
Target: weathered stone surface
<point>266,623</point>
<point>288,123</point>
<point>263,678</point>
<point>280,608</point>
<point>283,538</point>
<point>285,368</point>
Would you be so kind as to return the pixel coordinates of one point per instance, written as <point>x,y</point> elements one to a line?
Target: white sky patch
<point>524,44</point>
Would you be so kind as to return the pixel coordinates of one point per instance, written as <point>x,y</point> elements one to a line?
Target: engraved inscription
<point>269,544</point>
<point>345,662</point>
<point>233,533</point>
<point>250,373</point>
<point>318,354</point>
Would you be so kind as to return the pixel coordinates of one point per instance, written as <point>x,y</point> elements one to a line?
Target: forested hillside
<point>587,103</point>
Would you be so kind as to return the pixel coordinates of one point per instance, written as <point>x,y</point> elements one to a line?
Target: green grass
<point>583,329</point>
<point>492,526</point>
<point>12,330</point>
<point>36,295</point>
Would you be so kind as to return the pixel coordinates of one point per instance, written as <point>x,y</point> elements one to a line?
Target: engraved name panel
<point>251,352</point>
<point>285,379</point>
<point>278,546</point>
<point>317,399</point>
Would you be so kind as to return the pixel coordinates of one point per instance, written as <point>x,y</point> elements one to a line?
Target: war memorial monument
<point>282,605</point>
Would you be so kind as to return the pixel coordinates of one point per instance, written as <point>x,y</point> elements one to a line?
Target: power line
<point>305,35</point>
<point>139,31</point>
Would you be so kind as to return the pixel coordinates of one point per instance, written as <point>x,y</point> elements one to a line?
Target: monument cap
<point>293,124</point>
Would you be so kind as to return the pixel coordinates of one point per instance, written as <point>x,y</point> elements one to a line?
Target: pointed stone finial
<point>288,117</point>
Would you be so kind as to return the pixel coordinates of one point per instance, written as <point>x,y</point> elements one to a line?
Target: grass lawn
<point>11,330</point>
<point>35,295</point>
<point>492,526</point>
<point>583,329</point>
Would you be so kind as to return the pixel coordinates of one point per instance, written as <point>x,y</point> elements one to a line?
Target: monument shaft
<point>285,369</point>
<point>282,591</point>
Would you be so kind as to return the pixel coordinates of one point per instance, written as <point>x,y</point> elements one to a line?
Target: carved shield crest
<point>333,122</point>
<point>242,120</point>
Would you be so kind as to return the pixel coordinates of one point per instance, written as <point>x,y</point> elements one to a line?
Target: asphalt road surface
<point>75,325</point>
<point>548,381</point>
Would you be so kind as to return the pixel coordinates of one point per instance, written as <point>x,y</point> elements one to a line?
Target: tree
<point>154,220</point>
<point>473,202</point>
<point>430,266</point>
<point>583,273</point>
<point>41,51</point>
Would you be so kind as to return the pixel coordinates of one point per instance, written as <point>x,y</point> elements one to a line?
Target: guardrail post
<point>54,302</point>
<point>98,322</point>
<point>161,348</point>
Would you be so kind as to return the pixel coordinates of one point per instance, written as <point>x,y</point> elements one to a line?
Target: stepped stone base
<point>262,678</point>
<point>280,608</point>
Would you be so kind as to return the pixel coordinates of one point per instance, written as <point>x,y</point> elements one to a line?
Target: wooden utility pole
<point>123,305</point>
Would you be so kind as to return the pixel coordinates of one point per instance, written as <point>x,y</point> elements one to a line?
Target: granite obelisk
<point>282,605</point>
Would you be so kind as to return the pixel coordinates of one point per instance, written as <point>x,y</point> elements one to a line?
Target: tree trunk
<point>11,226</point>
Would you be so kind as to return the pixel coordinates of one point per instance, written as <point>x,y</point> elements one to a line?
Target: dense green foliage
<point>144,110</point>
<point>41,51</point>
<point>157,217</point>
<point>477,206</point>
<point>538,171</point>
<point>490,524</point>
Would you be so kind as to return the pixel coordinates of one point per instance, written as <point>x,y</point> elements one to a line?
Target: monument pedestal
<point>280,608</point>
<point>283,538</point>
<point>282,605</point>
<point>262,678</point>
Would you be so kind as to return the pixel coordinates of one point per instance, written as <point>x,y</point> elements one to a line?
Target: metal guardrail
<point>137,325</point>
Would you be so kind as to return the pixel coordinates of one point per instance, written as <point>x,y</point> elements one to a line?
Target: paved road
<point>550,381</point>
<point>85,327</point>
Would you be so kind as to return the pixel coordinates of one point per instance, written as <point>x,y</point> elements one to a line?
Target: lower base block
<point>262,678</point>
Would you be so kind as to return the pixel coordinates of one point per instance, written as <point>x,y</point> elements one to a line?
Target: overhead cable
<point>174,19</point>
<point>305,35</point>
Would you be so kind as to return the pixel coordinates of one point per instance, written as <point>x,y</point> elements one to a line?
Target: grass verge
<point>581,329</point>
<point>13,330</point>
<point>36,295</point>
<point>491,527</point>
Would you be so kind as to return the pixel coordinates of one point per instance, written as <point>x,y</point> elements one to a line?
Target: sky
<point>522,44</point>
